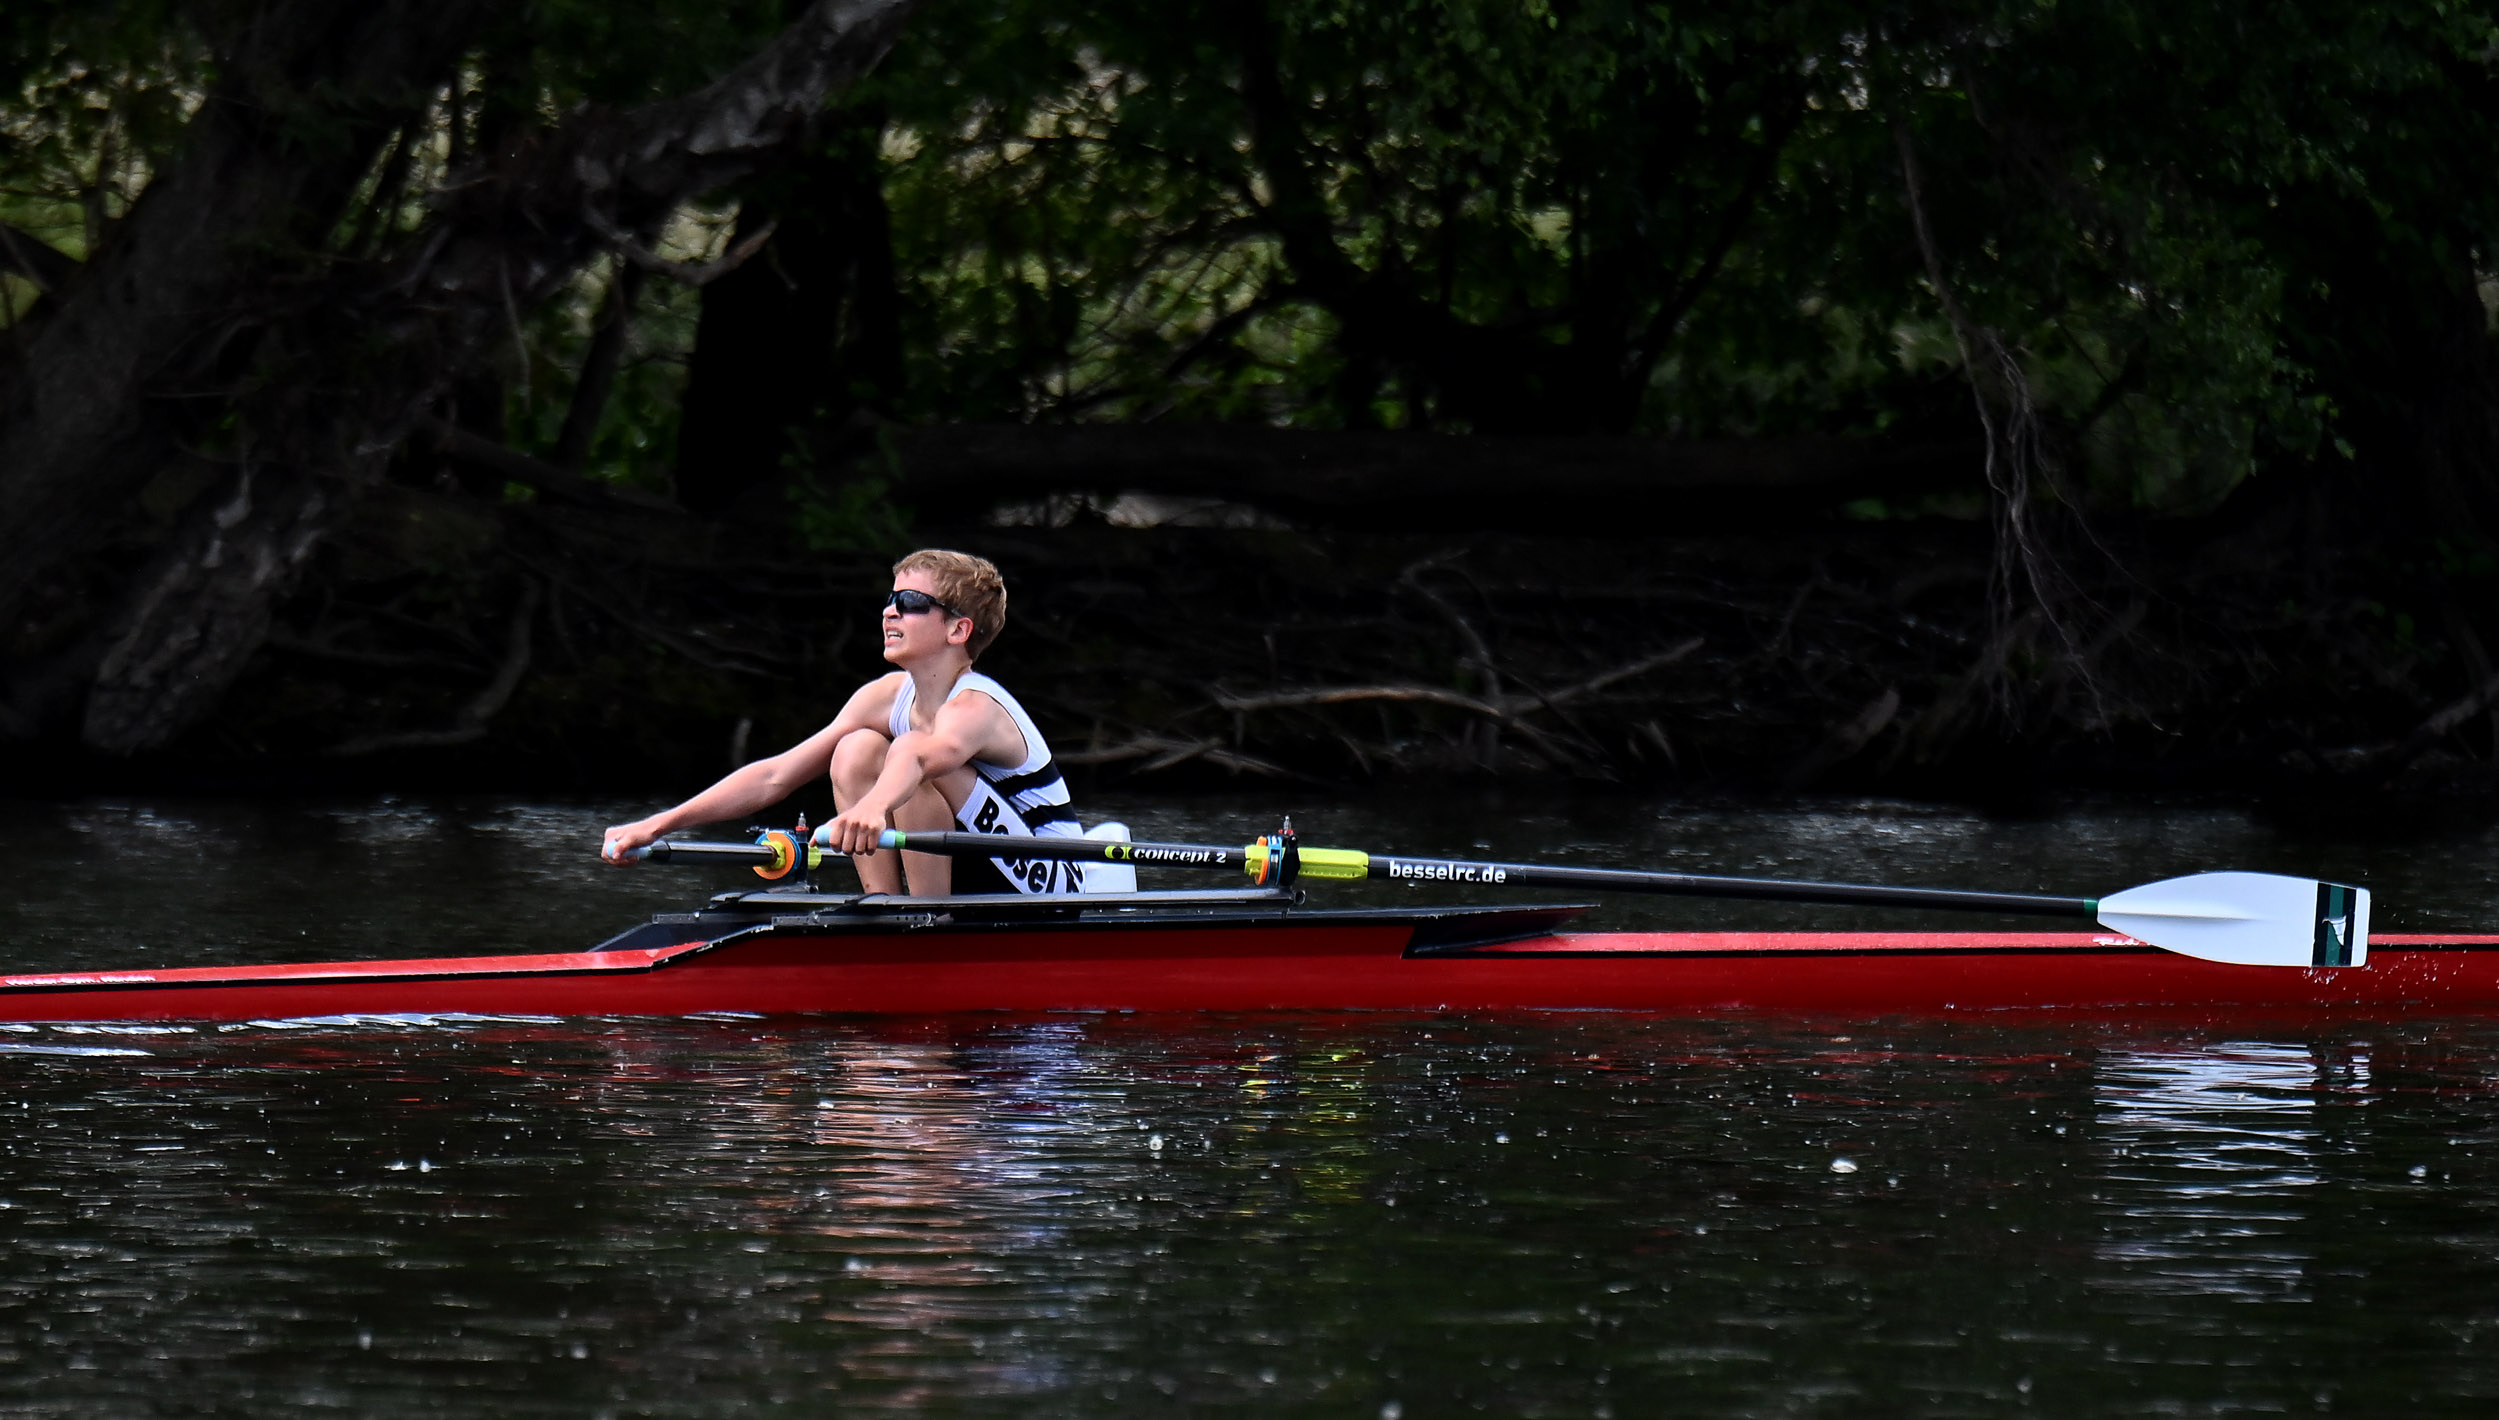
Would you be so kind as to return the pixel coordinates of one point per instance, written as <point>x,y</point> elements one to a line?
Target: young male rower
<point>933,746</point>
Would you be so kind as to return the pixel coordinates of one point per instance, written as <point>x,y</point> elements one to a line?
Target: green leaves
<point>2198,227</point>
<point>1613,216</point>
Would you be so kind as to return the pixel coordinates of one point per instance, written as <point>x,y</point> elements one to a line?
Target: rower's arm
<point>966,728</point>
<point>766,782</point>
<point>744,790</point>
<point>915,759</point>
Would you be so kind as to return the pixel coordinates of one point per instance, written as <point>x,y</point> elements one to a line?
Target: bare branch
<point>688,273</point>
<point>1347,694</point>
<point>636,170</point>
<point>1619,674</point>
<point>296,645</point>
<point>1847,739</point>
<point>1164,752</point>
<point>470,724</point>
<point>537,473</point>
<point>2385,760</point>
<point>24,254</point>
<point>2009,411</point>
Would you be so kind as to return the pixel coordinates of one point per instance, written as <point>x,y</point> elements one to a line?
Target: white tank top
<point>1029,799</point>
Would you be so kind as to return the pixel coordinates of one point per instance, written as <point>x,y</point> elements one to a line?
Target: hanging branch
<point>598,369</point>
<point>2009,412</point>
<point>684,273</point>
<point>469,725</point>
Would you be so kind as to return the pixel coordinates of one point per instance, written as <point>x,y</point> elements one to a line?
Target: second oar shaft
<point>1398,869</point>
<point>1349,864</point>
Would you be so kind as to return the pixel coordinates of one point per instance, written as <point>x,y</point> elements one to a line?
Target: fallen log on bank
<point>1411,482</point>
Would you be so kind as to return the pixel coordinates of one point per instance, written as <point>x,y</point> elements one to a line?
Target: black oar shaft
<point>1344,864</point>
<point>1397,869</point>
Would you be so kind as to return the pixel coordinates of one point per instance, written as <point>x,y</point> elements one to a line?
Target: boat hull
<point>1307,962</point>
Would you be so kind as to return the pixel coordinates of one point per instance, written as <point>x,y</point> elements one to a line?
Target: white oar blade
<point>2247,919</point>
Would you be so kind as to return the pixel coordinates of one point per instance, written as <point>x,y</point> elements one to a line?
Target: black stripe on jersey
<point>1015,784</point>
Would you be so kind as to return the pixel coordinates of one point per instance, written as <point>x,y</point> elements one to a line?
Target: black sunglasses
<point>912,603</point>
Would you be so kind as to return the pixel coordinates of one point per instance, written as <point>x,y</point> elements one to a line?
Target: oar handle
<point>687,850</point>
<point>1346,864</point>
<point>775,854</point>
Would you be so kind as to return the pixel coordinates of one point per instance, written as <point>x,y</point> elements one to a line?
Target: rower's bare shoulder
<point>999,734</point>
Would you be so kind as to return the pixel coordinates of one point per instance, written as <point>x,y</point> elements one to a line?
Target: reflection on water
<point>2214,1155</point>
<point>1582,1215</point>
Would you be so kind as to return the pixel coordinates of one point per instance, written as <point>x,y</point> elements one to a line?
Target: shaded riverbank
<point>575,649</point>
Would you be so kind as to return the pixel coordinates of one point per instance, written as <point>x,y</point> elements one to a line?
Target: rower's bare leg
<point>857,761</point>
<point>948,791</point>
<point>930,874</point>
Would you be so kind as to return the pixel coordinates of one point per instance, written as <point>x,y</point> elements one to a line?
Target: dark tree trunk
<point>2446,445</point>
<point>38,261</point>
<point>804,334</point>
<point>598,369</point>
<point>218,317</point>
<point>2399,339</point>
<point>205,607</point>
<point>110,385</point>
<point>1651,262</point>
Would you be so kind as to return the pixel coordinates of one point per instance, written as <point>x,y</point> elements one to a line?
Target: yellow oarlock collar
<point>1339,864</point>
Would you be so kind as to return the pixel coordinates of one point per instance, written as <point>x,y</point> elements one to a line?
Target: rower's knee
<point>857,760</point>
<point>924,812</point>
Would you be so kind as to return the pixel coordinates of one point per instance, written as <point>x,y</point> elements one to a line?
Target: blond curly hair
<point>970,585</point>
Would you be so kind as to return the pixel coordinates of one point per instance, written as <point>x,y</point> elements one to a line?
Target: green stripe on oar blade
<point>2247,919</point>
<point>2342,924</point>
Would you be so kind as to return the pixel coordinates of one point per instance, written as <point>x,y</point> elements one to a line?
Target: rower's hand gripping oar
<point>2247,919</point>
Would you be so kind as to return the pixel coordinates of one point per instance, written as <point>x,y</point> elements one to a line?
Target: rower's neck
<point>933,682</point>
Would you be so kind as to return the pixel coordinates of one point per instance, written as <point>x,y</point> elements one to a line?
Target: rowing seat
<point>1109,877</point>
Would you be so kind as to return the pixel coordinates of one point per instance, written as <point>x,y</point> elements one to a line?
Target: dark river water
<point>1352,1215</point>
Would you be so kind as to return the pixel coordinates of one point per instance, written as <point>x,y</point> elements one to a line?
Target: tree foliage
<point>1611,217</point>
<point>364,197</point>
<point>2168,256</point>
